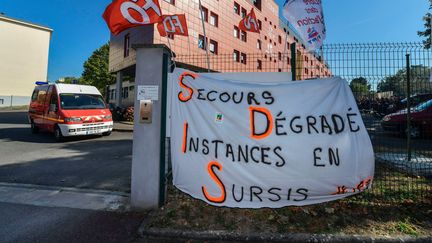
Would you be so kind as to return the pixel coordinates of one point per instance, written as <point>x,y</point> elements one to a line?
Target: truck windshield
<point>81,101</point>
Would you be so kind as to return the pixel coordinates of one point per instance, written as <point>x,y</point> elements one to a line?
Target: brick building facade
<point>256,51</point>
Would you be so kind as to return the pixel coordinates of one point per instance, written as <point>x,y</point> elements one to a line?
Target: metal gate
<point>392,86</point>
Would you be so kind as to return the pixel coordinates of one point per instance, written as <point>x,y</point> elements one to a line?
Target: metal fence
<point>392,86</point>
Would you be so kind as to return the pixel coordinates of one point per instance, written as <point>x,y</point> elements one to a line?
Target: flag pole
<point>205,36</point>
<point>285,55</point>
<point>172,53</point>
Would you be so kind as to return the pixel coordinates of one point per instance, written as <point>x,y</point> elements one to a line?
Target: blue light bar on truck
<point>41,83</point>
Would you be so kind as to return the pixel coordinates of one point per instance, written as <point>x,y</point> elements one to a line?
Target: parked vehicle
<point>421,121</point>
<point>69,110</point>
<point>416,100</point>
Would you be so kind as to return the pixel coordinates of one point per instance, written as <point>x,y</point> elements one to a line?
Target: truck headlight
<point>72,119</point>
<point>108,117</point>
<point>386,118</point>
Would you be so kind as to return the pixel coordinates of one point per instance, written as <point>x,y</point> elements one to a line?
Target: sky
<point>79,28</point>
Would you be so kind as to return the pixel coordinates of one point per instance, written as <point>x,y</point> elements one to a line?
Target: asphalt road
<point>25,223</point>
<point>85,162</point>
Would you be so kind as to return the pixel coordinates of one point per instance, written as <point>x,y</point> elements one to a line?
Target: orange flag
<point>124,14</point>
<point>173,24</point>
<point>249,23</point>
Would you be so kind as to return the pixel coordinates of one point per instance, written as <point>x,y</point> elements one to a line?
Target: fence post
<point>293,61</point>
<point>408,131</point>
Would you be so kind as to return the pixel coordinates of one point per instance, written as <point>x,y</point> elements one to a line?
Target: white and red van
<point>69,110</point>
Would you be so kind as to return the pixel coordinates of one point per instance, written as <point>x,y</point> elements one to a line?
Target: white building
<point>24,49</point>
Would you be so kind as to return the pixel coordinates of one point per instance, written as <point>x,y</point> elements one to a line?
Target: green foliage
<point>96,71</point>
<point>427,25</point>
<point>70,80</point>
<point>397,83</point>
<point>360,85</point>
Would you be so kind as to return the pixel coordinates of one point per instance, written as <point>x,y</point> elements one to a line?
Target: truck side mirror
<point>53,107</point>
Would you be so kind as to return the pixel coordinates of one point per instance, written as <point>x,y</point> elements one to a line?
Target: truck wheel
<point>106,133</point>
<point>33,127</point>
<point>57,134</point>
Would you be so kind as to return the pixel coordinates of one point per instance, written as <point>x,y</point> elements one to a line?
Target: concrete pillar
<point>148,160</point>
<point>119,88</point>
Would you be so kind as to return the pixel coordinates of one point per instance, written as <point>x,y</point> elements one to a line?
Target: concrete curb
<point>64,197</point>
<point>169,235</point>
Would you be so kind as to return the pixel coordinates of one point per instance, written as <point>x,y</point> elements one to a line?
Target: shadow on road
<point>94,164</point>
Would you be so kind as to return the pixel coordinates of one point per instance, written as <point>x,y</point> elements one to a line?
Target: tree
<point>360,85</point>
<point>70,80</point>
<point>427,32</point>
<point>96,71</point>
<point>397,83</point>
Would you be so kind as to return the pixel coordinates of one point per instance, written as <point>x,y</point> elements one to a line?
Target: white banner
<point>263,144</point>
<point>307,17</point>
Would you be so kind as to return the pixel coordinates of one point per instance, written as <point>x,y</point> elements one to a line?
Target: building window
<point>265,37</point>
<point>213,47</point>
<point>279,70</point>
<point>288,61</point>
<point>171,36</point>
<point>170,1</point>
<point>243,58</point>
<point>237,8</point>
<point>258,45</point>
<point>112,94</point>
<point>214,19</point>
<point>243,12</point>
<point>280,39</point>
<point>204,14</point>
<point>257,4</point>
<point>279,56</point>
<point>126,46</point>
<point>306,71</point>
<point>259,64</point>
<point>236,56</point>
<point>236,32</point>
<point>201,42</point>
<point>270,23</point>
<point>259,24</point>
<point>125,92</point>
<point>243,36</point>
<point>306,58</point>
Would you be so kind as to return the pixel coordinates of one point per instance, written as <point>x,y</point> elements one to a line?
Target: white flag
<point>307,17</point>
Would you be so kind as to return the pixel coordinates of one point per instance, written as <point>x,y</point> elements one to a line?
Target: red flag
<point>249,23</point>
<point>173,24</point>
<point>125,14</point>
